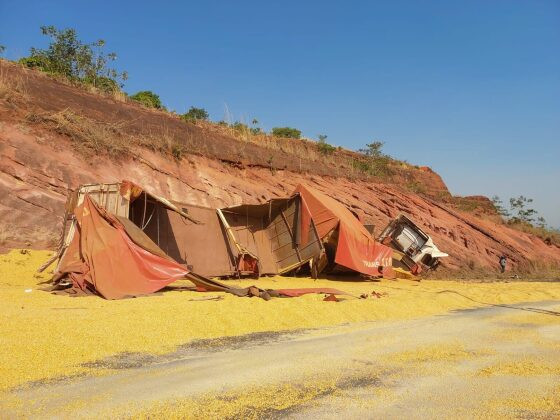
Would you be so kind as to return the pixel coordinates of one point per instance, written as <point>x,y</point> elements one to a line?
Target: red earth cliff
<point>39,163</point>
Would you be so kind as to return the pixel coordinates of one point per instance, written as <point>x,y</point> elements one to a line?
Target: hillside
<point>54,137</point>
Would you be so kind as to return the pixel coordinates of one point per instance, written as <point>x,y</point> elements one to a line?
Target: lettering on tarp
<point>385,262</point>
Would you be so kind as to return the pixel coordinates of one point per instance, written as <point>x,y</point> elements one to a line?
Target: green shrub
<point>361,165</point>
<point>373,150</point>
<point>324,147</point>
<point>36,62</point>
<point>104,84</point>
<point>289,132</point>
<point>378,167</point>
<point>374,161</point>
<point>148,99</point>
<point>195,114</point>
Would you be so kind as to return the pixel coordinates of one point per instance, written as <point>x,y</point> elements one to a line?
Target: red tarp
<point>102,257</point>
<point>356,248</point>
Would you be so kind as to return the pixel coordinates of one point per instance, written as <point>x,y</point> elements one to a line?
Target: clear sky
<point>470,88</point>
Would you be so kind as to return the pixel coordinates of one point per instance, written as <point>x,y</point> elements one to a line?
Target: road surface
<point>487,362</point>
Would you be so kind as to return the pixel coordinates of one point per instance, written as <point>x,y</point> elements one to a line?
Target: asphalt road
<point>469,363</point>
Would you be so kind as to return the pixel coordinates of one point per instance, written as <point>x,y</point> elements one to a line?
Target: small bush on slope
<point>324,147</point>
<point>195,114</point>
<point>288,132</point>
<point>374,162</point>
<point>147,98</point>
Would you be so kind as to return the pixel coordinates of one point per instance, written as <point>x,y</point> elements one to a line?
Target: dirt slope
<point>38,163</point>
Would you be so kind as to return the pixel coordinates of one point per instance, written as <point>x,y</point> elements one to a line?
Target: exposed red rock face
<point>38,166</point>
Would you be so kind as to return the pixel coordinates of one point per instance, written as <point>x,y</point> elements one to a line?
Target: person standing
<point>503,261</point>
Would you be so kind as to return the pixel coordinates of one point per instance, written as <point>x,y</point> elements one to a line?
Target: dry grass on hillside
<point>346,163</point>
<point>549,236</point>
<point>117,95</point>
<point>12,89</point>
<point>92,137</point>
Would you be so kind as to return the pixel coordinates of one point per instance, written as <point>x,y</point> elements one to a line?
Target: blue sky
<point>470,88</point>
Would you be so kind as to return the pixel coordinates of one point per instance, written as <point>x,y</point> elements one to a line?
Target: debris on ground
<point>204,298</point>
<point>114,236</point>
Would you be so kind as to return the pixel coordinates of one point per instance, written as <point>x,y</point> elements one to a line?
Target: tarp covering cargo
<point>103,257</point>
<point>346,239</point>
<point>270,238</point>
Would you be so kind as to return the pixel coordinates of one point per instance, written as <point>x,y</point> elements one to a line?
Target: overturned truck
<point>414,250</point>
<point>120,240</point>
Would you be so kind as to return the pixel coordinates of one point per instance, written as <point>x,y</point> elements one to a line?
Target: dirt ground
<point>434,348</point>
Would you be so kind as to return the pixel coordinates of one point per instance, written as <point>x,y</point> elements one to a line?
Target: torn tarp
<point>348,243</point>
<point>103,258</point>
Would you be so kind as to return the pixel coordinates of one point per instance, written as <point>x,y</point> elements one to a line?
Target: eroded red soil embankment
<point>38,165</point>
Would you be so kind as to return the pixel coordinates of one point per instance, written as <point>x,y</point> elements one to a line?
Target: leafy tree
<point>2,49</point>
<point>147,98</point>
<point>373,150</point>
<point>375,162</point>
<point>66,55</point>
<point>322,137</point>
<point>195,114</point>
<point>289,132</point>
<point>499,205</point>
<point>521,211</point>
